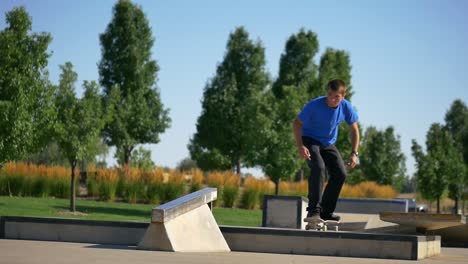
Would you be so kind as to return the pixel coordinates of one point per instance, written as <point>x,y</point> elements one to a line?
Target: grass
<point>111,211</point>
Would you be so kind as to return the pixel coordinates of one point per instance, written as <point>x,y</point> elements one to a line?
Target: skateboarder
<point>316,130</point>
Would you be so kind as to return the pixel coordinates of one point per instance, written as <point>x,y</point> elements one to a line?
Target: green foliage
<point>231,117</point>
<point>107,190</point>
<point>250,199</point>
<point>187,164</point>
<point>277,154</point>
<point>79,122</point>
<point>140,158</point>
<point>456,122</point>
<point>26,105</point>
<point>230,195</point>
<point>382,160</point>
<point>440,166</point>
<point>134,113</point>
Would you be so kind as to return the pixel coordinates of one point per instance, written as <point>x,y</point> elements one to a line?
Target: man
<point>316,130</point>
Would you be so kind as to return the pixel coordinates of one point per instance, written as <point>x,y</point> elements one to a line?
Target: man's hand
<point>353,161</point>
<point>304,152</point>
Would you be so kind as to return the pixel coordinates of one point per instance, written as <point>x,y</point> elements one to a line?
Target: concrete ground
<point>29,252</point>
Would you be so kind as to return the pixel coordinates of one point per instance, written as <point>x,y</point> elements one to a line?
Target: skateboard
<point>320,224</point>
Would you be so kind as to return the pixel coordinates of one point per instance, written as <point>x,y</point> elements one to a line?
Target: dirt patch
<point>71,213</point>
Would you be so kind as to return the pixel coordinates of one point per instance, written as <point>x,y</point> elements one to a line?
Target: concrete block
<point>194,231</point>
<point>185,225</point>
<point>344,244</point>
<point>284,211</point>
<point>424,221</point>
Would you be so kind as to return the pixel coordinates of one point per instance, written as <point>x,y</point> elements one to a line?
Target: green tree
<point>231,121</point>
<point>26,94</point>
<point>79,121</point>
<point>186,164</point>
<point>438,166</point>
<point>424,175</point>
<point>128,76</point>
<point>456,122</point>
<point>382,160</point>
<point>50,155</point>
<point>207,159</point>
<point>290,92</point>
<point>140,158</point>
<point>336,64</point>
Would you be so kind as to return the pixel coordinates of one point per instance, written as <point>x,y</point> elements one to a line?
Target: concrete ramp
<point>423,221</point>
<point>185,225</point>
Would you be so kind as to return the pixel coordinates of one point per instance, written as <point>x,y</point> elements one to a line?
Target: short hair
<point>337,85</point>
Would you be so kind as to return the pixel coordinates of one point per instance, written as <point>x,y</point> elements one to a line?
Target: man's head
<point>336,91</point>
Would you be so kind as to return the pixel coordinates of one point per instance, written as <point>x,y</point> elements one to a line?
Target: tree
<point>207,159</point>
<point>26,94</point>
<point>456,122</point>
<point>297,67</point>
<point>231,121</point>
<point>424,175</point>
<point>140,158</point>
<point>186,164</point>
<point>382,160</point>
<point>290,92</point>
<point>79,121</point>
<point>438,166</point>
<point>128,76</point>
<point>335,64</point>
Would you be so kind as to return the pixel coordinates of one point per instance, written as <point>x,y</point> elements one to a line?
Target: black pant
<point>324,159</point>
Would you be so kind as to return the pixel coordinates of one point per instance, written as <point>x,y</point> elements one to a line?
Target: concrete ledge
<point>344,244</point>
<point>424,221</point>
<point>267,240</point>
<point>172,209</point>
<point>72,230</point>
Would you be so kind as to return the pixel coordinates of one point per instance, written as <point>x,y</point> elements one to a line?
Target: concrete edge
<point>2,227</point>
<point>69,221</point>
<point>170,210</point>
<point>309,233</point>
<point>299,214</point>
<point>224,228</point>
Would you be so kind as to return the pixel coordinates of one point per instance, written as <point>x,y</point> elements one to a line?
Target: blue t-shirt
<point>321,122</point>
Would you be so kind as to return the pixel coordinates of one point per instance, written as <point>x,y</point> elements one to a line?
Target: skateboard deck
<point>320,224</point>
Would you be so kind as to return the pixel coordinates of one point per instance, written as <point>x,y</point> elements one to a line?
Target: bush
<point>215,179</point>
<point>107,182</point>
<point>134,186</point>
<point>154,186</point>
<point>197,180</point>
<point>22,179</point>
<point>174,187</point>
<point>230,188</point>
<point>368,189</point>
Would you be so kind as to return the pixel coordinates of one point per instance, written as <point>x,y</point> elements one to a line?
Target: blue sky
<point>409,58</point>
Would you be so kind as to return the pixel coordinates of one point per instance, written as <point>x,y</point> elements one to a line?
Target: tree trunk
<point>72,191</point>
<point>456,205</point>
<point>463,206</point>
<point>277,183</point>
<point>438,205</point>
<point>127,156</point>
<point>238,167</point>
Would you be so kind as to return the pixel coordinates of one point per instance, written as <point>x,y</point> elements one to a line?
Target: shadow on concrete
<point>102,246</point>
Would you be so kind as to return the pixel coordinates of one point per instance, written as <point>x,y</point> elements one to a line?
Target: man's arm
<point>297,128</point>
<point>354,132</point>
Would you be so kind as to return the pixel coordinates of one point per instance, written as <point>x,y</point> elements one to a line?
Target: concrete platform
<point>39,252</point>
<point>267,240</point>
<point>423,221</point>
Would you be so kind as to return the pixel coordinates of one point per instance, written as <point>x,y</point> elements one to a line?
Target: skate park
<point>136,131</point>
<point>186,225</point>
